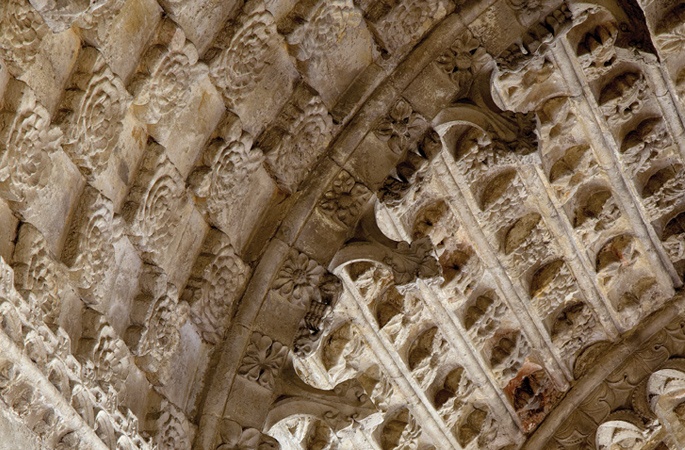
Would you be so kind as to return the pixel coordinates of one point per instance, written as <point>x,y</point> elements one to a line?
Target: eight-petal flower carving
<point>344,200</point>
<point>262,360</point>
<point>298,278</point>
<point>400,126</point>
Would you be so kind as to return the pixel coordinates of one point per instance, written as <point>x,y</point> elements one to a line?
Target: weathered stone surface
<point>342,224</point>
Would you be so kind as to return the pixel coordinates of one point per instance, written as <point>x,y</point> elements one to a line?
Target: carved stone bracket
<point>408,261</point>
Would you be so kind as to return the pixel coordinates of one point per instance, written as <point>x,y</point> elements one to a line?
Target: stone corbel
<point>340,407</point>
<point>313,324</point>
<point>408,261</point>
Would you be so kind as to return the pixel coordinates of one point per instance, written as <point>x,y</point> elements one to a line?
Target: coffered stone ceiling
<point>342,224</point>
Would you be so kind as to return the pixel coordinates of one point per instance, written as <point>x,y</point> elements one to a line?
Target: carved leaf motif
<point>463,60</point>
<point>673,41</point>
<point>174,430</point>
<point>161,335</point>
<point>400,127</point>
<point>263,359</point>
<point>408,21</point>
<point>232,436</point>
<point>415,260</point>
<point>152,209</point>
<point>89,250</point>
<point>60,16</point>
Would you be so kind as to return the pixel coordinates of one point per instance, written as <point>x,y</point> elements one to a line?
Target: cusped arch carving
<point>519,231</point>
<point>621,433</point>
<point>496,187</point>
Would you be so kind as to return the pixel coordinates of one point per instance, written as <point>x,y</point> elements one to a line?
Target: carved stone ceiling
<point>342,224</point>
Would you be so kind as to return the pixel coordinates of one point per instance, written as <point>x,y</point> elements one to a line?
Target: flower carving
<point>234,437</point>
<point>343,202</point>
<point>399,127</point>
<point>298,278</point>
<point>263,358</point>
<point>462,60</point>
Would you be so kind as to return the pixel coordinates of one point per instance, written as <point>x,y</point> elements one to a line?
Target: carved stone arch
<point>495,187</point>
<point>593,40</point>
<point>337,344</point>
<point>104,428</point>
<point>389,305</point>
<point>306,432</point>
<point>617,251</point>
<point>400,431</point>
<point>594,206</point>
<point>428,221</point>
<point>478,307</point>
<point>665,394</point>
<point>543,274</point>
<point>648,135</point>
<point>450,389</point>
<point>519,231</point>
<point>659,177</point>
<point>422,347</point>
<point>567,164</point>
<point>471,424</point>
<point>59,377</point>
<point>620,432</point>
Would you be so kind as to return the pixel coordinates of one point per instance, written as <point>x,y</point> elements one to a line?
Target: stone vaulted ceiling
<point>342,224</point>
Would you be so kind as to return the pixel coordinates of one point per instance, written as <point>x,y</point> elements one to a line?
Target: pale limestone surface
<point>342,224</point>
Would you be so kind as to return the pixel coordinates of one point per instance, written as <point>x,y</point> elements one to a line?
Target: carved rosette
<point>232,436</point>
<point>26,143</point>
<point>108,354</point>
<point>263,360</point>
<point>153,204</point>
<point>165,76</point>
<point>239,66</point>
<point>89,249</point>
<point>298,278</point>
<point>462,60</point>
<point>400,127</point>
<point>223,176</point>
<point>343,203</point>
<point>21,32</point>
<point>216,282</point>
<point>92,113</point>
<point>327,25</point>
<point>306,137</point>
